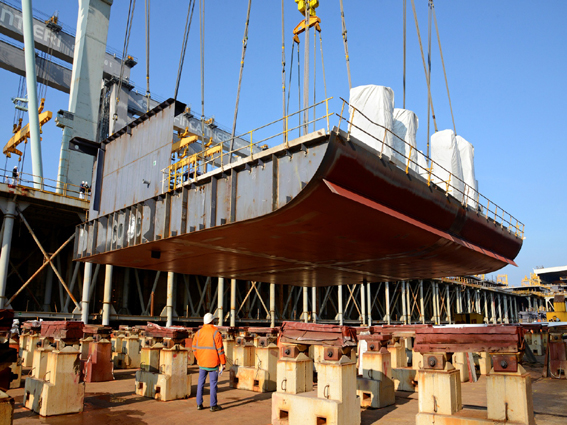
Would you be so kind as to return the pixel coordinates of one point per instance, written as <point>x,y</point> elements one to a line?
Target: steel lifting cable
<point>428,72</point>
<point>323,65</point>
<point>345,42</point>
<point>443,63</point>
<point>129,21</point>
<point>314,76</point>
<point>298,90</point>
<point>244,45</point>
<point>290,76</point>
<point>424,68</point>
<point>405,31</point>
<point>188,22</point>
<point>202,50</point>
<point>283,75</point>
<point>147,3</point>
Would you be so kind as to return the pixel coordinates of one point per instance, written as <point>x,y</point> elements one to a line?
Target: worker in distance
<point>209,352</point>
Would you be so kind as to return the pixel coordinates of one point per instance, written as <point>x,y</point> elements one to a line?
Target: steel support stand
<point>388,315</point>
<point>9,215</point>
<point>448,304</point>
<point>272,305</point>
<point>506,318</point>
<point>314,304</point>
<point>86,291</point>
<point>340,306</point>
<point>305,305</point>
<point>404,309</point>
<point>485,307</point>
<point>48,290</point>
<point>437,304</point>
<point>363,304</point>
<point>499,308</point>
<point>233,302</point>
<point>169,305</point>
<point>421,305</point>
<point>369,304</point>
<point>493,308</point>
<point>408,302</point>
<point>220,301</point>
<point>107,300</point>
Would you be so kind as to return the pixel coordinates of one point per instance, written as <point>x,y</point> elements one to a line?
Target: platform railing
<point>46,185</point>
<point>470,196</point>
<point>214,156</point>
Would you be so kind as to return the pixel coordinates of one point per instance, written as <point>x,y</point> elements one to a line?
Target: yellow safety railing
<point>470,196</point>
<point>217,156</point>
<point>55,187</point>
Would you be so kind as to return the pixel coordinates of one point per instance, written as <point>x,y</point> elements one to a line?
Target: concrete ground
<point>115,403</point>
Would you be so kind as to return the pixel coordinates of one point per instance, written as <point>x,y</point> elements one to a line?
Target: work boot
<point>215,408</point>
<point>200,407</point>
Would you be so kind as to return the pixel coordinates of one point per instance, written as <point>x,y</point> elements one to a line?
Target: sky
<point>505,63</point>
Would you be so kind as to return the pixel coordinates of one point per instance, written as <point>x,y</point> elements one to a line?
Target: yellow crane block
<point>502,279</point>
<point>313,4</point>
<point>24,133</point>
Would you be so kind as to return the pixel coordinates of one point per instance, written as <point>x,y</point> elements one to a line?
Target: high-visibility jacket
<point>208,347</point>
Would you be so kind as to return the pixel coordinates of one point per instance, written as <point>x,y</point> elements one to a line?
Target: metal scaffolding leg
<point>314,304</point>
<point>499,308</point>
<point>404,307</point>
<point>220,301</point>
<point>408,303</point>
<point>448,304</point>
<point>125,292</point>
<point>506,318</point>
<point>86,292</point>
<point>437,305</point>
<point>421,304</point>
<point>363,304</point>
<point>107,300</point>
<point>169,305</point>
<point>369,303</point>
<point>388,315</point>
<point>48,290</point>
<point>516,308</point>
<point>340,306</point>
<point>305,314</point>
<point>469,306</point>
<point>493,308</point>
<point>272,305</point>
<point>233,302</point>
<point>9,214</point>
<point>485,307</point>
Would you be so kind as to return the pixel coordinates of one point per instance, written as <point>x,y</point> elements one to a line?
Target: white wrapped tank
<point>374,111</point>
<point>466,153</point>
<point>447,163</point>
<point>405,127</point>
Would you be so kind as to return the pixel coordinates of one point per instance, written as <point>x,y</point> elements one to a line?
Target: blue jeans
<point>213,379</point>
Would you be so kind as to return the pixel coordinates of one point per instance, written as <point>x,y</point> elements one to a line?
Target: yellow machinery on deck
<point>560,313</point>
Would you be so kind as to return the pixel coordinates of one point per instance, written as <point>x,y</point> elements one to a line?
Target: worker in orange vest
<point>209,352</point>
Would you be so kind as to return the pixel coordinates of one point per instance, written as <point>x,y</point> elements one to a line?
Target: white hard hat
<point>208,318</point>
